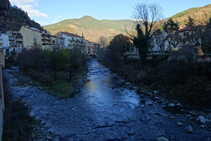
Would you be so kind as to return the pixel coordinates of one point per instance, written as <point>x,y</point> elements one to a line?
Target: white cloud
<point>57,18</point>
<point>28,6</point>
<point>32,12</point>
<point>22,1</point>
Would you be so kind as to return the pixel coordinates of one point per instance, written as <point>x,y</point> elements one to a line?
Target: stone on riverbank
<point>189,129</point>
<point>171,105</point>
<point>202,119</point>
<point>162,139</point>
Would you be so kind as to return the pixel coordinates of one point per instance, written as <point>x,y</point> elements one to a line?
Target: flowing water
<point>107,108</point>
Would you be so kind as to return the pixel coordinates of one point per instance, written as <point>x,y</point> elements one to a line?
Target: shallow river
<point>108,108</point>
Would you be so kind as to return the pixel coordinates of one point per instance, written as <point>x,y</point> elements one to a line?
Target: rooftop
<point>71,34</point>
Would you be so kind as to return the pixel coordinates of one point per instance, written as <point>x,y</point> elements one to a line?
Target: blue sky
<point>51,11</point>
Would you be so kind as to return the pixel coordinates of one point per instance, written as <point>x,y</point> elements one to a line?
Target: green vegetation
<point>91,28</point>
<point>57,70</point>
<point>15,19</point>
<point>185,12</point>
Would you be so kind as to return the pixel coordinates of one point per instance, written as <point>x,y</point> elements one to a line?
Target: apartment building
<point>74,41</point>
<point>30,35</point>
<point>60,42</point>
<point>15,42</point>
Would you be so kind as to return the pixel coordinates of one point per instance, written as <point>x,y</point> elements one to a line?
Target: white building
<point>4,43</point>
<point>157,40</point>
<point>72,40</point>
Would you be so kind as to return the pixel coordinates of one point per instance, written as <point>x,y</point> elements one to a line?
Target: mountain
<point>91,28</point>
<point>15,19</point>
<point>200,15</point>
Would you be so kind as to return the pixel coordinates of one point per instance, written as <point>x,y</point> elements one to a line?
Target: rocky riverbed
<point>108,108</point>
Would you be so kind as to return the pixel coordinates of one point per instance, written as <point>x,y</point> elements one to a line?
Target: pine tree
<point>171,26</point>
<point>190,21</point>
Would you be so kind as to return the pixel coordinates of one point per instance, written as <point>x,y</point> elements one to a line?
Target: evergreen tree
<point>142,42</point>
<point>171,26</point>
<point>190,21</point>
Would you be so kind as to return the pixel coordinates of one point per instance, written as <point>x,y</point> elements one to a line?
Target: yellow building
<point>31,34</point>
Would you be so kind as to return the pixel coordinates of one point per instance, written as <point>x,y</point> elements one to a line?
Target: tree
<point>160,39</point>
<point>75,59</point>
<point>103,41</point>
<point>53,58</point>
<point>114,54</point>
<point>123,42</point>
<point>148,18</point>
<point>170,26</point>
<point>190,21</point>
<point>174,39</point>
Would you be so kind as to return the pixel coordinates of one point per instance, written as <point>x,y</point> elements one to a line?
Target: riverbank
<point>176,81</point>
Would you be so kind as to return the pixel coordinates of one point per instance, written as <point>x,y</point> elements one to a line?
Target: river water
<point>107,108</point>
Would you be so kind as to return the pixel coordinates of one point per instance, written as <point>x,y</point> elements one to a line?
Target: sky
<point>47,12</point>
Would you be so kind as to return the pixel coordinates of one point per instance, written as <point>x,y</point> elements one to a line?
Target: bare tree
<point>174,40</point>
<point>148,18</point>
<point>160,39</point>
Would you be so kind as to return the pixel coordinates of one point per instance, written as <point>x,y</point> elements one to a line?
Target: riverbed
<point>109,108</point>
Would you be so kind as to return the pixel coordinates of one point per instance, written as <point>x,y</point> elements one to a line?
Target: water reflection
<point>102,91</point>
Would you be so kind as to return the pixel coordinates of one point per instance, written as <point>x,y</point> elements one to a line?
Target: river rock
<point>49,137</point>
<point>155,92</point>
<point>178,104</point>
<point>162,139</point>
<point>179,124</point>
<point>142,106</point>
<point>189,129</point>
<point>171,105</point>
<point>150,103</point>
<point>156,98</point>
<point>202,126</point>
<point>202,119</point>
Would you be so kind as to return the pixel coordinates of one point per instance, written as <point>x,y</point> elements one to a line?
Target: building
<point>15,42</point>
<point>72,40</point>
<point>60,42</point>
<point>30,35</point>
<point>5,43</point>
<point>159,40</point>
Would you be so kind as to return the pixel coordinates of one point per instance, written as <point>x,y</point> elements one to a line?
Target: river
<point>108,108</point>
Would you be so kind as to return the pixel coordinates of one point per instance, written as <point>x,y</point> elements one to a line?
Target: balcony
<point>19,39</point>
<point>11,38</point>
<point>46,38</point>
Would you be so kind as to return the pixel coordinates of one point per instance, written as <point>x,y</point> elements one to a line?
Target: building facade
<point>15,42</point>
<point>72,40</point>
<point>30,35</point>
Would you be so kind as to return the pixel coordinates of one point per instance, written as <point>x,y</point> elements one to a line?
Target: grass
<point>61,89</point>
